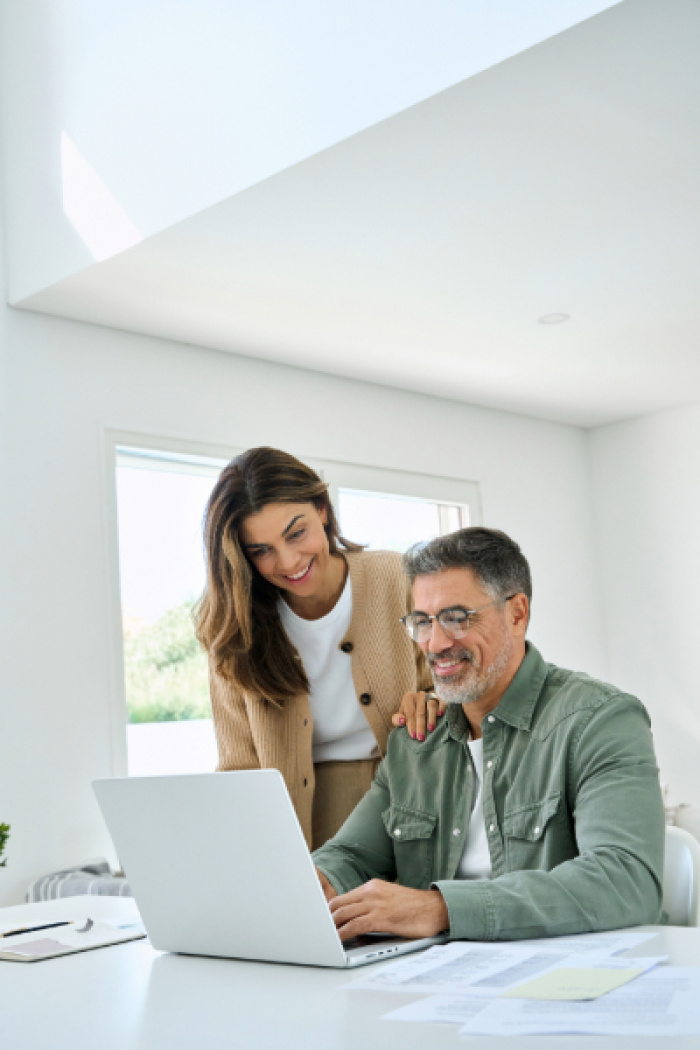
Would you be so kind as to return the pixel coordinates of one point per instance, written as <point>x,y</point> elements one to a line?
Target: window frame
<point>198,457</point>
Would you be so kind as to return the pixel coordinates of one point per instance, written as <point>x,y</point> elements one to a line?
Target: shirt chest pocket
<point>412,832</point>
<point>525,833</point>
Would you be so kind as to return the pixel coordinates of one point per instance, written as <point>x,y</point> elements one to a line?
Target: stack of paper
<point>555,985</point>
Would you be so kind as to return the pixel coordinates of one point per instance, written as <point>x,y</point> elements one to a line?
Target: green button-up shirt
<point>572,808</point>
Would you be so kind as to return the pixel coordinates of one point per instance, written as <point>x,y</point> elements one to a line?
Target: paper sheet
<point>665,1001</point>
<point>486,969</point>
<point>609,942</point>
<point>456,1009</point>
<point>440,1009</point>
<point>482,969</point>
<point>575,983</point>
<point>37,949</point>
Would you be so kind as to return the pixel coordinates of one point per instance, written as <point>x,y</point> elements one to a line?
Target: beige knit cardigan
<point>254,734</point>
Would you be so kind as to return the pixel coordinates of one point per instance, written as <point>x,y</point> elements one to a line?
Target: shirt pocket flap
<point>530,821</point>
<point>404,823</point>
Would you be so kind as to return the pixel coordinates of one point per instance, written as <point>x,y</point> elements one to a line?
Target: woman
<point>300,624</point>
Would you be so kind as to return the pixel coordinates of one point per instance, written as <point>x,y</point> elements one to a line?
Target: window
<point>385,521</point>
<point>161,498</point>
<point>160,503</point>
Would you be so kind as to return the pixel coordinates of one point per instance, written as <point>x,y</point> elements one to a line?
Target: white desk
<point>130,997</point>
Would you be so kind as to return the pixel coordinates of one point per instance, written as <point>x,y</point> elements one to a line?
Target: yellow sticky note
<point>572,983</point>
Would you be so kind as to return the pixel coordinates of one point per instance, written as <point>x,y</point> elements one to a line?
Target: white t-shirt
<point>476,858</point>
<point>341,731</point>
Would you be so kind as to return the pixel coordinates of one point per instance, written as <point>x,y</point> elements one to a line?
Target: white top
<point>476,858</point>
<point>341,731</point>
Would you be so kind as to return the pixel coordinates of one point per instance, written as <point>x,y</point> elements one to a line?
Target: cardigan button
<point>306,783</point>
<point>366,698</point>
<point>346,647</point>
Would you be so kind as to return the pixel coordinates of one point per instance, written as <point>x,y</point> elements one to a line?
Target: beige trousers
<point>339,787</point>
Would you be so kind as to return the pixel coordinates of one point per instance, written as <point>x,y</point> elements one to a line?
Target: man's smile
<point>446,665</point>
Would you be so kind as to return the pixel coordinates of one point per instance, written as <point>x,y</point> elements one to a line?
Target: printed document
<point>665,1001</point>
<point>486,969</point>
<point>592,981</point>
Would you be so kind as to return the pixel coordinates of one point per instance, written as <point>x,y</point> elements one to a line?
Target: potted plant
<point>4,836</point>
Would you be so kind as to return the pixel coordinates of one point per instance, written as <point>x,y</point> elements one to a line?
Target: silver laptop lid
<point>219,866</point>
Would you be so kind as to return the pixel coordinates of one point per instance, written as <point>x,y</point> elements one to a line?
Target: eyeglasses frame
<point>468,613</point>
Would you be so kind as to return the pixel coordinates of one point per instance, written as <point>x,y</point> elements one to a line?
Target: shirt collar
<point>517,705</point>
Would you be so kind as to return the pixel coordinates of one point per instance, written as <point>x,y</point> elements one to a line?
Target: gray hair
<point>495,559</point>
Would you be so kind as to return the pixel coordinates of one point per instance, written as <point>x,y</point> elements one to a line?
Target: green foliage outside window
<point>165,668</point>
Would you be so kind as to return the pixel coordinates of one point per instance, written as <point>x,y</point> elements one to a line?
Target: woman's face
<point>287,544</point>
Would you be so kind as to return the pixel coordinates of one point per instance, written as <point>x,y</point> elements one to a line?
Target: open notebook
<point>80,936</point>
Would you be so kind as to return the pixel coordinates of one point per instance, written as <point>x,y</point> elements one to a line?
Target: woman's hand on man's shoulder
<point>419,713</point>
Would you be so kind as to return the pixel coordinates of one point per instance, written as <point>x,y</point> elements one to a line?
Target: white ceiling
<point>421,253</point>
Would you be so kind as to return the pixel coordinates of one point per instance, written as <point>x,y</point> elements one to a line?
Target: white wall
<point>646,486</point>
<point>64,383</point>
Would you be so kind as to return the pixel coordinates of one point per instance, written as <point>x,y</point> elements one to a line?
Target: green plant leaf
<point>165,669</point>
<point>4,836</point>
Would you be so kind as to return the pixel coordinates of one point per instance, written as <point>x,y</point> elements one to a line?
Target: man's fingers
<point>352,897</point>
<point>355,928</point>
<point>344,915</point>
<point>363,900</point>
<point>353,914</point>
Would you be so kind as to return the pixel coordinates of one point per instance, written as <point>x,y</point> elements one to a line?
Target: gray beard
<point>478,682</point>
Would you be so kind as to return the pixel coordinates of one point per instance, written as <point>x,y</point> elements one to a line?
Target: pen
<point>33,929</point>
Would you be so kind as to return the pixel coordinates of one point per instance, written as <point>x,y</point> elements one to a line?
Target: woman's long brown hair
<point>237,618</point>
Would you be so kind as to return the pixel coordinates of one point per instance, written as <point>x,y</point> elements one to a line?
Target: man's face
<point>471,667</point>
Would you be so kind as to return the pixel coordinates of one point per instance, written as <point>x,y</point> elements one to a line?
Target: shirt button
<point>491,718</point>
<point>306,721</point>
<point>366,698</point>
<point>537,831</point>
<point>397,833</point>
<point>456,832</point>
<point>492,827</point>
<point>346,647</point>
<point>305,782</point>
<point>489,764</point>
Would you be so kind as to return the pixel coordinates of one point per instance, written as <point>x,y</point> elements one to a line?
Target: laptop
<point>219,866</point>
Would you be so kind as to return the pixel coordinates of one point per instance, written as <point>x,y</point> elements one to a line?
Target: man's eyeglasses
<point>453,621</point>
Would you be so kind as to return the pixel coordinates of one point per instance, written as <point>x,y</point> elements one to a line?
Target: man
<point>532,810</point>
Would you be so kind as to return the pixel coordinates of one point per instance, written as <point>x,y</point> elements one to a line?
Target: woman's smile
<point>299,577</point>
